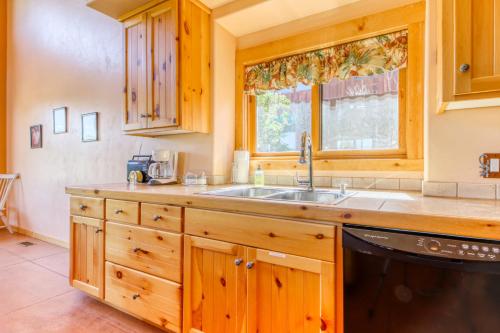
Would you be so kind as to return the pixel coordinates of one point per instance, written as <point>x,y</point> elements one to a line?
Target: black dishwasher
<point>398,281</point>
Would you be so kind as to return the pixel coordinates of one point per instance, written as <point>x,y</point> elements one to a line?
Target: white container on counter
<point>241,167</point>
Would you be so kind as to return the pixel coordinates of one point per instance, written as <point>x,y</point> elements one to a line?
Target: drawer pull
<point>83,207</point>
<point>138,249</point>
<point>157,218</point>
<point>118,211</point>
<point>250,265</point>
<point>136,296</point>
<point>238,261</point>
<point>98,231</point>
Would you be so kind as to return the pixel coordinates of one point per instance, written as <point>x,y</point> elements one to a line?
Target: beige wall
<point>3,63</point>
<point>62,53</point>
<point>224,53</point>
<point>455,139</point>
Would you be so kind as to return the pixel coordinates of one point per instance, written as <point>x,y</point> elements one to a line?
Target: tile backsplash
<point>461,190</point>
<point>380,183</point>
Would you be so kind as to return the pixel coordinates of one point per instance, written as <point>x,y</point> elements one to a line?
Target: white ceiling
<point>215,3</point>
<point>260,15</point>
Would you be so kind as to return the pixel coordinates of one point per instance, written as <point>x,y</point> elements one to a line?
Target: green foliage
<point>274,117</point>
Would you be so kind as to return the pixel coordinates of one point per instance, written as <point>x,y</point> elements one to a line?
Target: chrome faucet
<point>306,157</point>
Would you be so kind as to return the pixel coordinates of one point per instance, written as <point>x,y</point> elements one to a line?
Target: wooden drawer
<point>287,236</point>
<point>152,251</point>
<point>146,296</point>
<point>87,207</point>
<point>162,217</point>
<point>122,211</point>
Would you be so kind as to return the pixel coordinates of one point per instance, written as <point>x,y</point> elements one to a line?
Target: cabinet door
<point>288,293</point>
<point>195,63</point>
<point>214,286</point>
<point>87,255</point>
<point>162,67</point>
<point>136,101</point>
<point>477,46</point>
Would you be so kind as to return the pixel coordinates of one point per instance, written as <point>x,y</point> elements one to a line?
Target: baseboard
<point>41,237</point>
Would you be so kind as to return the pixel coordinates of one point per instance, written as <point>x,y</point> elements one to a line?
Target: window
<point>282,116</point>
<point>360,116</point>
<point>361,113</point>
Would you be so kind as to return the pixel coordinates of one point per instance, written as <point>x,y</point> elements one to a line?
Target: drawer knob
<point>83,207</point>
<point>157,218</point>
<point>238,261</point>
<point>464,68</point>
<point>118,211</point>
<point>250,265</point>
<point>136,296</point>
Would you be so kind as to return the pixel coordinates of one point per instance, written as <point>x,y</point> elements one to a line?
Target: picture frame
<point>90,127</point>
<point>36,137</point>
<point>60,120</point>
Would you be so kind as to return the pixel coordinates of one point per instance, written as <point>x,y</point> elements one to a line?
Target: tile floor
<point>35,295</point>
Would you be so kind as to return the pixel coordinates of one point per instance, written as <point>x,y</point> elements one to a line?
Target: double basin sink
<point>330,197</point>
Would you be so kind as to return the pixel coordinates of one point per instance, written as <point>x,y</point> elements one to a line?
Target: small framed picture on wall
<point>89,127</point>
<point>60,122</point>
<point>36,136</point>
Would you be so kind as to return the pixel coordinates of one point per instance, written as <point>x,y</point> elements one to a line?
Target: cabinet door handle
<point>238,261</point>
<point>98,231</point>
<point>464,68</point>
<point>136,296</point>
<point>250,264</point>
<point>118,211</point>
<point>83,207</point>
<point>157,218</point>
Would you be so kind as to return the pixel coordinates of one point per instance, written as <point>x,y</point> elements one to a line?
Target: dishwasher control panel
<point>429,244</point>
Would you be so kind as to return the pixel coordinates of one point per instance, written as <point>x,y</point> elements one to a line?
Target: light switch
<point>495,165</point>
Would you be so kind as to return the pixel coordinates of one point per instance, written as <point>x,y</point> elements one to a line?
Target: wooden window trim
<point>409,157</point>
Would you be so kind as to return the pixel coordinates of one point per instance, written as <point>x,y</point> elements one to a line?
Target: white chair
<point>6,182</point>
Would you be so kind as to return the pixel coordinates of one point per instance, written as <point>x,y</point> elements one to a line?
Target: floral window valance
<point>365,57</point>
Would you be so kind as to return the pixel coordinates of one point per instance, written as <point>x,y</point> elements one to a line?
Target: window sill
<point>282,163</point>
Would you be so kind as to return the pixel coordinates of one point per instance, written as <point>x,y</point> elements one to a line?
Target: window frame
<point>410,156</point>
<point>316,130</point>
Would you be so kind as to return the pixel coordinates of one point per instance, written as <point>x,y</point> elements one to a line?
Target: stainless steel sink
<point>326,197</point>
<point>283,194</point>
<point>246,192</point>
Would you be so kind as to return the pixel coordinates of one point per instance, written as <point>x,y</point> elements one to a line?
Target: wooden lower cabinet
<point>148,297</point>
<point>288,293</point>
<point>214,286</point>
<point>87,255</point>
<point>231,288</point>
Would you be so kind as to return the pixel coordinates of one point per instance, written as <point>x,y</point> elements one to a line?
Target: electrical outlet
<point>494,165</point>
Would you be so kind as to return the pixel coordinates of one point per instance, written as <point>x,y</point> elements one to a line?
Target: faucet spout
<point>306,157</point>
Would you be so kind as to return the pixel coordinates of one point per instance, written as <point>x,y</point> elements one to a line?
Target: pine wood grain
<point>151,251</point>
<point>151,298</point>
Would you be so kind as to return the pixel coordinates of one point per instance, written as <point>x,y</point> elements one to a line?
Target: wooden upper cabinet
<point>195,61</point>
<point>472,33</point>
<point>167,51</point>
<point>214,286</point>
<point>162,29</point>
<point>288,293</point>
<point>136,100</point>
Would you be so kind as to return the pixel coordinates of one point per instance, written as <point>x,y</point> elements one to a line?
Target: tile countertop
<point>390,209</point>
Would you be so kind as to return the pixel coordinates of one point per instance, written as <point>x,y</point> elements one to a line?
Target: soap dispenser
<point>259,176</point>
